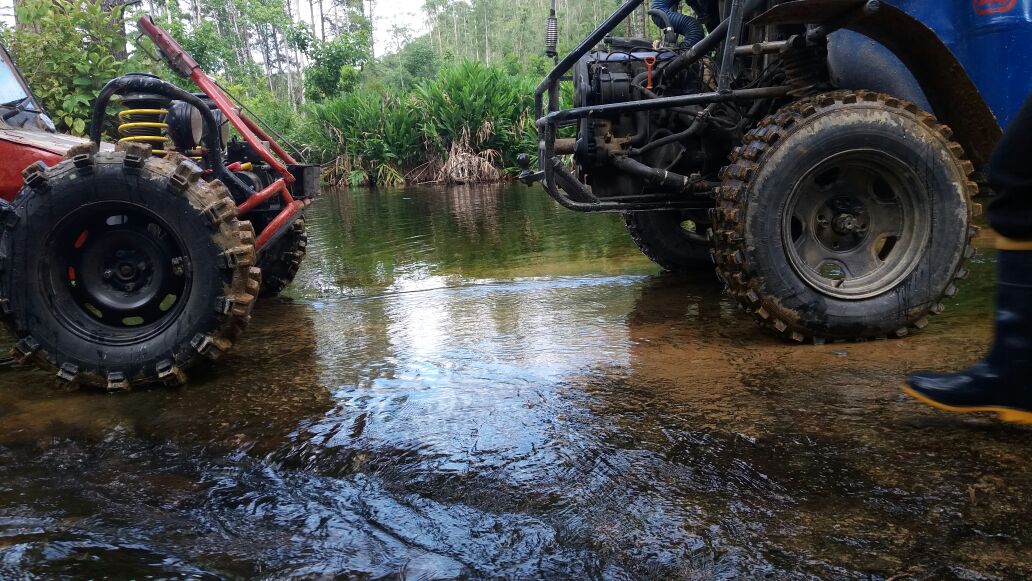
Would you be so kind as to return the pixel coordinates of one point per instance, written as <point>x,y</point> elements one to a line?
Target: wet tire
<point>663,238</point>
<point>845,216</point>
<point>283,259</point>
<point>122,270</point>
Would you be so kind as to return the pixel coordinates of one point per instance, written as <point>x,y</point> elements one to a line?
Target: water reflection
<point>396,241</point>
<point>476,383</point>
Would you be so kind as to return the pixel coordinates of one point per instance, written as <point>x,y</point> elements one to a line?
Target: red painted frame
<point>277,158</point>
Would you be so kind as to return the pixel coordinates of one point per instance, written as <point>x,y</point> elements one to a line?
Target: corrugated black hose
<point>670,16</point>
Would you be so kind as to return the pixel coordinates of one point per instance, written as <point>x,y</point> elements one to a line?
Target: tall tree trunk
<point>241,36</point>
<point>322,22</point>
<point>291,52</point>
<point>372,27</point>
<point>311,12</point>
<point>111,6</point>
<point>283,73</point>
<point>267,58</point>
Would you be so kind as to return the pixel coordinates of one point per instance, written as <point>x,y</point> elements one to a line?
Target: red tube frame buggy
<point>183,63</point>
<point>119,268</point>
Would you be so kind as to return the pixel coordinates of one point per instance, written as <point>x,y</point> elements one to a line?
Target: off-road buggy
<point>125,265</point>
<point>823,154</point>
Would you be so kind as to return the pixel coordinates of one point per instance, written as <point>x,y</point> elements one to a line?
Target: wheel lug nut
<point>141,266</point>
<point>108,273</point>
<point>130,287</point>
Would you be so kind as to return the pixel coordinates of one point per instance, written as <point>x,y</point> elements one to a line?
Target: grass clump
<point>467,124</point>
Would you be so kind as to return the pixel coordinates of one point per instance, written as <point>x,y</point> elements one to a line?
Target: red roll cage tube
<point>259,140</point>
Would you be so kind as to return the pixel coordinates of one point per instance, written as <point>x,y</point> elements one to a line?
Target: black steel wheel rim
<point>117,272</point>
<point>853,227</point>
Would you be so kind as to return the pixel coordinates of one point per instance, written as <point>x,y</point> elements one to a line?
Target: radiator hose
<point>667,13</point>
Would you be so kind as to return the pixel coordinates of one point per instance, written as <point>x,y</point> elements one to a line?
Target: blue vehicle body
<point>990,39</point>
<point>858,134</point>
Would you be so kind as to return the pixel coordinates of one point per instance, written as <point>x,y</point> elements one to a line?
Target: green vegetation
<point>459,126</point>
<point>67,51</point>
<point>453,105</point>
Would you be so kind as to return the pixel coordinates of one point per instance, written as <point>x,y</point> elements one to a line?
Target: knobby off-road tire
<point>662,237</point>
<point>282,260</point>
<point>845,216</point>
<point>121,270</point>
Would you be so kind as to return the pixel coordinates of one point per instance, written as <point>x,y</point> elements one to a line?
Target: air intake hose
<point>687,26</point>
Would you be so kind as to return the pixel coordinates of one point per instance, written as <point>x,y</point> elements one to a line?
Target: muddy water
<point>474,383</point>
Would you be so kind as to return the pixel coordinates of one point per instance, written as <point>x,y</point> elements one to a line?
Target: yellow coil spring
<point>144,126</point>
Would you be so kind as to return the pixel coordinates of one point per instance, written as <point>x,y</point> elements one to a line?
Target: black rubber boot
<point>1002,382</point>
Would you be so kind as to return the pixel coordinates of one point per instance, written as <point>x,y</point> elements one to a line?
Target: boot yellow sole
<point>1013,245</point>
<point>1008,415</point>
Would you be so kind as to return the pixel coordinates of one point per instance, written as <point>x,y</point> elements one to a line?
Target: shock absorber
<point>143,121</point>
<point>806,69</point>
<point>552,35</point>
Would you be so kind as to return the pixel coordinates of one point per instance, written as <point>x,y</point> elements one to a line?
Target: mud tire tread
<point>743,281</point>
<point>280,264</point>
<point>650,241</point>
<point>229,234</point>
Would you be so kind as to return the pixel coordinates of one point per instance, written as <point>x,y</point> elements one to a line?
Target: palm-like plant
<point>471,111</point>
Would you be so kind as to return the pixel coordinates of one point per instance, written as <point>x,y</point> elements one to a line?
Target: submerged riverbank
<point>476,383</point>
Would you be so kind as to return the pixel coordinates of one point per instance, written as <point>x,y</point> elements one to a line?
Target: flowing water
<point>473,383</point>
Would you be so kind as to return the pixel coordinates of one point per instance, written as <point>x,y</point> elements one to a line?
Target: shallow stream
<point>473,383</point>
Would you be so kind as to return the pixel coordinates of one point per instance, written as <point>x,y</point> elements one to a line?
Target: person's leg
<point>1010,175</point>
<point>1002,382</point>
